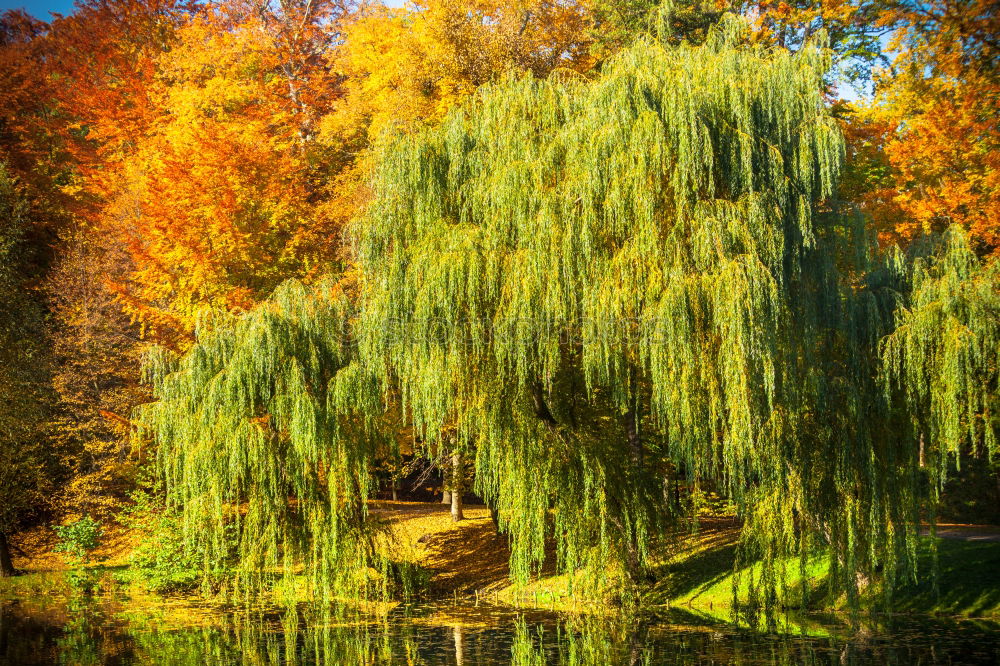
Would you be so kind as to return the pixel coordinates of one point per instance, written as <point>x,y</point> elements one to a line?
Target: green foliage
<point>597,289</point>
<point>265,441</point>
<point>605,283</point>
<point>619,22</point>
<point>941,362</point>
<point>79,539</point>
<point>83,581</point>
<point>160,561</point>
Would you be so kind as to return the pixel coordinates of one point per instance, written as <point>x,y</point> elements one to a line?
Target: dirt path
<point>959,532</point>
<point>463,557</point>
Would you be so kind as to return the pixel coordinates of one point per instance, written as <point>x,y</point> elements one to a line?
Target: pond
<point>88,632</point>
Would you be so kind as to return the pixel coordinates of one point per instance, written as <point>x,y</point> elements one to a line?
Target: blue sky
<point>39,8</point>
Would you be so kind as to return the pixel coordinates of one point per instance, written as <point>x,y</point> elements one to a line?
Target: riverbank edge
<point>467,561</point>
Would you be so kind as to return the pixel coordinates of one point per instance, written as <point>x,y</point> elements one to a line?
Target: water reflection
<point>92,632</point>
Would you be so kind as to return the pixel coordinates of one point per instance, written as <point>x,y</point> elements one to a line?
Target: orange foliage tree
<point>937,112</point>
<point>226,183</point>
<point>406,67</point>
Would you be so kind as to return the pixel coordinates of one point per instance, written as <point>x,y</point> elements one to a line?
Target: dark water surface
<point>91,632</point>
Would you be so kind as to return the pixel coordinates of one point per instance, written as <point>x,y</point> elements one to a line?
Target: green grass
<point>968,582</point>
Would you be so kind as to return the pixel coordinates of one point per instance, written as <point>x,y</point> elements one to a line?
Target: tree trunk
<point>632,428</point>
<point>445,493</point>
<point>6,565</point>
<point>395,490</point>
<point>456,486</point>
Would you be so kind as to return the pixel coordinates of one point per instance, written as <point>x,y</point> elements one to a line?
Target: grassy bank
<point>467,562</point>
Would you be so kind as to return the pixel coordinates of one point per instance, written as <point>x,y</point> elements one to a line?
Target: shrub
<point>79,539</point>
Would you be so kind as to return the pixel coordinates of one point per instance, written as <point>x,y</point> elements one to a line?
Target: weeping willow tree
<point>942,362</point>
<point>265,444</point>
<point>603,284</point>
<point>594,288</point>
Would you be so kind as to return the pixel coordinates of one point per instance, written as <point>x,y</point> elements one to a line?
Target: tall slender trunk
<point>456,486</point>
<point>6,564</point>
<point>632,428</point>
<point>445,493</point>
<point>456,506</point>
<point>395,489</point>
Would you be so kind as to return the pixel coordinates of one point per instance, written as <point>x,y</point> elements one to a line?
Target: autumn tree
<point>408,67</point>
<point>97,351</point>
<point>78,103</point>
<point>28,146</point>
<point>28,467</point>
<point>937,111</point>
<point>100,64</point>
<point>229,180</point>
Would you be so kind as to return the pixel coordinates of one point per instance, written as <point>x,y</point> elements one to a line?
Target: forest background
<point>165,165</point>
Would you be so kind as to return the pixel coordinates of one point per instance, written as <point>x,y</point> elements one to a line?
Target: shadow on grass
<point>968,580</point>
<point>707,561</point>
<point>472,557</point>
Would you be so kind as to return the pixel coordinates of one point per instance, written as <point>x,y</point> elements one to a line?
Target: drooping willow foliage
<point>942,363</point>
<point>607,283</point>
<point>265,443</point>
<point>596,289</point>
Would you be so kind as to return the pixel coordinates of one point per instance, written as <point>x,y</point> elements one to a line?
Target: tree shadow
<point>968,580</point>
<point>471,557</point>
<point>700,561</point>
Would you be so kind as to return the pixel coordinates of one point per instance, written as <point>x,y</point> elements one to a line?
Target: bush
<point>160,560</point>
<point>79,539</point>
<point>163,561</point>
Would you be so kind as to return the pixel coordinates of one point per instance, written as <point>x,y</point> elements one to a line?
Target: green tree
<point>267,434</point>
<point>598,287</point>
<point>599,282</point>
<point>618,22</point>
<point>941,364</point>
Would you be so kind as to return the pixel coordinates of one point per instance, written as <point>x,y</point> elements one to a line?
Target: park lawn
<point>701,578</point>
